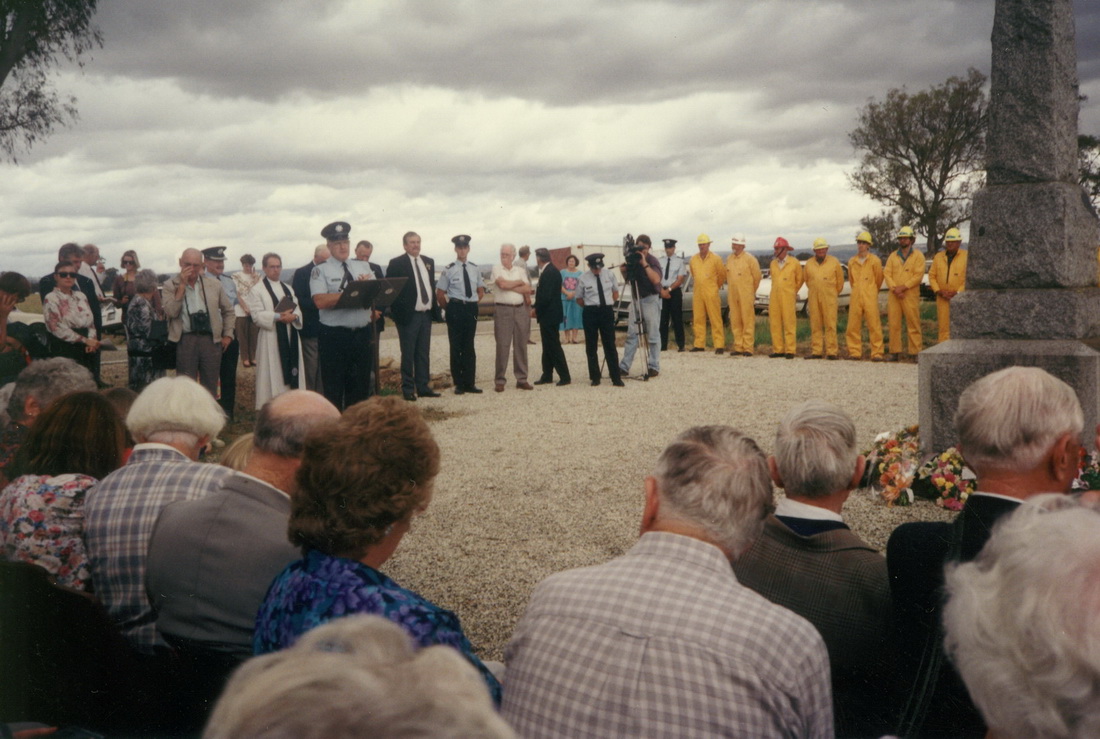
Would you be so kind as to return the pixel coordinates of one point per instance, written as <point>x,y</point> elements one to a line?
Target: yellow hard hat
<point>953,234</point>
<point>820,243</point>
<point>703,239</point>
<point>865,236</point>
<point>905,232</point>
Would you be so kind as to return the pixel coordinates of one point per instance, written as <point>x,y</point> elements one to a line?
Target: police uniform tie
<point>347,276</point>
<point>420,282</point>
<point>599,288</point>
<point>668,263</point>
<point>466,279</point>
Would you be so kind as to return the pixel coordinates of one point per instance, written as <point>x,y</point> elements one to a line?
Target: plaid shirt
<point>119,516</point>
<point>663,641</point>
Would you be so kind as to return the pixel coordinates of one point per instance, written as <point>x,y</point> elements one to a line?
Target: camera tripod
<point>639,322</point>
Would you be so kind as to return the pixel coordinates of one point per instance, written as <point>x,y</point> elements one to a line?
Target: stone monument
<point>1031,289</point>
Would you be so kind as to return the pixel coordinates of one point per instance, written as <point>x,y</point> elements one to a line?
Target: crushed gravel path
<point>534,482</point>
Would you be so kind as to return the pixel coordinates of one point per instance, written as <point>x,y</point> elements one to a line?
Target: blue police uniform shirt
<point>227,284</point>
<point>590,294</point>
<point>453,285</point>
<point>676,269</point>
<point>326,278</point>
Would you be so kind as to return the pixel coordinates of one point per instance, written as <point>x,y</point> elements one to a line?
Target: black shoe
<point>832,357</point>
<point>777,355</point>
<point>460,391</point>
<point>429,393</point>
<point>812,356</point>
<point>747,354</point>
<point>594,383</point>
<point>652,373</point>
<point>409,396</point>
<point>680,349</point>
<point>543,381</point>
<point>618,383</point>
<point>719,351</point>
<point>789,356</point>
<point>562,383</point>
<point>474,390</point>
<point>697,349</point>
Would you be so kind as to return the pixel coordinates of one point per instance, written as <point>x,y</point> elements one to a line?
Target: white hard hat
<point>739,239</point>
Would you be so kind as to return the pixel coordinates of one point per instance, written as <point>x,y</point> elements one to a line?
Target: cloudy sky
<point>254,123</point>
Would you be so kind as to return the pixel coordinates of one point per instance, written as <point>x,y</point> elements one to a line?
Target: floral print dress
<point>319,587</point>
<point>42,522</point>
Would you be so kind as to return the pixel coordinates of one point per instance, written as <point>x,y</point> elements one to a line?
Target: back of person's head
<point>815,450</point>
<point>70,251</point>
<point>716,478</point>
<point>45,380</point>
<point>1010,419</point>
<point>175,410</point>
<point>237,454</point>
<point>1022,622</point>
<point>369,470</point>
<point>358,676</point>
<point>285,421</point>
<point>145,281</point>
<point>80,433</point>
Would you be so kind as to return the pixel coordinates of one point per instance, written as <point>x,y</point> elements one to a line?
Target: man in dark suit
<point>74,255</point>
<point>809,561</point>
<point>412,312</point>
<point>549,313</point>
<point>1019,430</point>
<point>311,318</point>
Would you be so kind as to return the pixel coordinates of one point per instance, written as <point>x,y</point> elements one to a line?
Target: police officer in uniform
<point>213,258</point>
<point>673,273</point>
<point>459,289</point>
<point>344,338</point>
<point>597,293</point>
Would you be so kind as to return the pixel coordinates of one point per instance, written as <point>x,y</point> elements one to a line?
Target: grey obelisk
<point>1031,296</point>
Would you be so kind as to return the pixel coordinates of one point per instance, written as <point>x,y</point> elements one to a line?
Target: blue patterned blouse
<point>320,587</point>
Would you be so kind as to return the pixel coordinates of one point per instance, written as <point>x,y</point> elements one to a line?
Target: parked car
<point>763,294</point>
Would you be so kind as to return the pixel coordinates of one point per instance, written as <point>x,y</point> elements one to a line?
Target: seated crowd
<point>734,614</point>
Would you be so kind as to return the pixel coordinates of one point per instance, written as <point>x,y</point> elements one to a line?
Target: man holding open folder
<point>345,338</point>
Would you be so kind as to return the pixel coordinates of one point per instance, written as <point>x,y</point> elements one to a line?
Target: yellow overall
<point>709,274</point>
<point>781,304</point>
<point>866,280</point>
<point>824,282</point>
<point>907,274</point>
<point>743,277</point>
<point>941,277</point>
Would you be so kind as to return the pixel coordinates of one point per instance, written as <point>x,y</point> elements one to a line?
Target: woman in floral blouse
<point>75,443</point>
<point>361,482</point>
<point>69,318</point>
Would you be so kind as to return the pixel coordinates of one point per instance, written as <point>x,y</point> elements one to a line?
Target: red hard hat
<point>781,242</point>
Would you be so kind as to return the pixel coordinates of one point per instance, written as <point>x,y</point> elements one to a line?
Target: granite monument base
<point>946,369</point>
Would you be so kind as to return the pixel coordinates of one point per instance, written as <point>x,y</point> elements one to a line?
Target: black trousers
<point>346,363</point>
<point>228,378</point>
<point>553,356</point>
<point>599,325</point>
<point>672,309</point>
<point>461,328</point>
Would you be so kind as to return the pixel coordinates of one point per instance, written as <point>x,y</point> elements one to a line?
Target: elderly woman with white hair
<point>355,677</point>
<point>1022,622</point>
<point>172,421</point>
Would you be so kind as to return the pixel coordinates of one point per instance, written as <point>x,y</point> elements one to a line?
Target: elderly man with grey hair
<point>809,561</point>
<point>358,676</point>
<point>173,420</point>
<point>211,559</point>
<point>1019,430</point>
<point>663,641</point>
<point>1022,625</point>
<point>511,317</point>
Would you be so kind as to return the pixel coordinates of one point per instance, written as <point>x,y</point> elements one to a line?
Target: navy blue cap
<point>337,231</point>
<point>214,253</point>
<point>461,240</point>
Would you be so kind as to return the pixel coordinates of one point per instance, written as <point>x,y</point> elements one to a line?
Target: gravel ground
<point>534,482</point>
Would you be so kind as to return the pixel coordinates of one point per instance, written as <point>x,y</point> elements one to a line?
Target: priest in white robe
<point>278,350</point>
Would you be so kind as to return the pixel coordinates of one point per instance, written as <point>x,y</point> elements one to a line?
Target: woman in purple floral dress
<point>360,484</point>
<point>73,444</point>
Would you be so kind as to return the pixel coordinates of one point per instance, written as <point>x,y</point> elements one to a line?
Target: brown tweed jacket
<point>838,583</point>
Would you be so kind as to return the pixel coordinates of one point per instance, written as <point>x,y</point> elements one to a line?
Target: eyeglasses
<point>127,261</point>
<point>66,274</point>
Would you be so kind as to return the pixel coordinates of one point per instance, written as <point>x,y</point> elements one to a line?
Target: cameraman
<point>643,271</point>
<point>200,321</point>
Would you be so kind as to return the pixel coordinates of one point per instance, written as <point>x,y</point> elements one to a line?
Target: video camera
<point>632,255</point>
